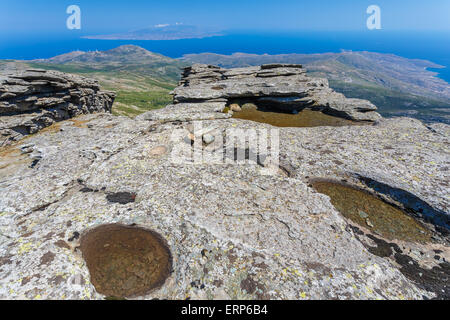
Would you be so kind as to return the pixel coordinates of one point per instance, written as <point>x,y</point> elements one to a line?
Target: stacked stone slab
<point>34,99</point>
<point>283,86</point>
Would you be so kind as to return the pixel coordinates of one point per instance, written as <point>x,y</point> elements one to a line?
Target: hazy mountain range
<point>144,79</point>
<point>162,32</point>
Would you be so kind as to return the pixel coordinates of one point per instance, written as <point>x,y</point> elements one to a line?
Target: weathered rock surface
<point>34,99</point>
<point>233,231</point>
<point>252,230</point>
<point>283,86</point>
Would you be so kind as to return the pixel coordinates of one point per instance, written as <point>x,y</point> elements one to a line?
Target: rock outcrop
<point>34,99</point>
<point>233,230</point>
<point>282,86</point>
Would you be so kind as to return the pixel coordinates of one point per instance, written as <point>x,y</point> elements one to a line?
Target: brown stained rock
<point>5,260</point>
<point>249,285</point>
<point>62,244</point>
<point>47,258</point>
<point>49,236</point>
<point>218,283</point>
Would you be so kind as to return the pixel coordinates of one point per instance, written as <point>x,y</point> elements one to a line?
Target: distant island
<point>162,32</point>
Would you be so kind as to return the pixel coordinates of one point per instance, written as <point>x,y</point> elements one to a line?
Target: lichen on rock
<point>233,231</point>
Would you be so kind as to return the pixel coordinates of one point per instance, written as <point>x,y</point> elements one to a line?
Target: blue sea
<point>432,46</point>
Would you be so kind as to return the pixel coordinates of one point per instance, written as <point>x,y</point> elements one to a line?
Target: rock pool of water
<point>125,261</point>
<point>372,213</point>
<point>305,118</point>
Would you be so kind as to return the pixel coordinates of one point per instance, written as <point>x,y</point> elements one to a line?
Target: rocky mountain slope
<point>33,99</point>
<point>256,229</point>
<point>143,80</point>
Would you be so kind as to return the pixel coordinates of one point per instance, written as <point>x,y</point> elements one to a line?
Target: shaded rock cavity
<point>372,213</point>
<point>121,197</point>
<point>287,87</point>
<point>305,117</point>
<point>125,261</point>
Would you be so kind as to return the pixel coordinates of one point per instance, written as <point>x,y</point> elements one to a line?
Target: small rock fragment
<point>208,138</point>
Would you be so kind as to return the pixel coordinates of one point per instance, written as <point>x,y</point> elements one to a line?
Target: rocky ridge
<point>283,86</point>
<point>34,99</point>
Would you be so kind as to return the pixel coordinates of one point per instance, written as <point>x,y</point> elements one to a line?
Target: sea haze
<point>432,46</point>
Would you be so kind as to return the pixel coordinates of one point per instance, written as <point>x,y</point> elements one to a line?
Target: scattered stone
<point>235,107</point>
<point>369,223</point>
<point>208,138</point>
<point>363,215</point>
<point>158,151</point>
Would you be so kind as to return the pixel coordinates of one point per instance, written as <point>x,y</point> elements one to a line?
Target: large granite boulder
<point>34,99</point>
<point>283,86</point>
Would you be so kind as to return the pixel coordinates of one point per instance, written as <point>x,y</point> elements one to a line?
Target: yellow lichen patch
<point>24,248</point>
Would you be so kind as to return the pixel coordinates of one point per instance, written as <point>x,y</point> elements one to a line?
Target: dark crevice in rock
<point>121,197</point>
<point>436,279</point>
<point>75,236</point>
<point>35,162</point>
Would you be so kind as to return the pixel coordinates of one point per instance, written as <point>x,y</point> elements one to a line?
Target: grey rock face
<point>283,86</point>
<point>234,232</point>
<point>34,99</point>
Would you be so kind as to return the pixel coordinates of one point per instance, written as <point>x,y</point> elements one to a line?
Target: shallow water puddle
<point>125,261</point>
<point>305,118</point>
<point>372,213</point>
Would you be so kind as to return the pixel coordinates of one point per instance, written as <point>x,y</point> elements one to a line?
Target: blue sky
<point>25,16</point>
